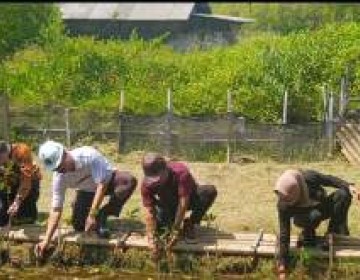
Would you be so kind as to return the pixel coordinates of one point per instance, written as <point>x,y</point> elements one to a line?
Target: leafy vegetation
<point>23,24</point>
<point>49,68</point>
<point>285,18</point>
<point>88,73</point>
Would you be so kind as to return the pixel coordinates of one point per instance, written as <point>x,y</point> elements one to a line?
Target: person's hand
<point>14,208</point>
<point>173,239</point>
<point>90,223</point>
<point>281,272</point>
<point>354,191</point>
<point>40,248</point>
<point>154,248</point>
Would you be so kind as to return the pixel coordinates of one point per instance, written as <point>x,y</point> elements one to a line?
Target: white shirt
<point>91,168</point>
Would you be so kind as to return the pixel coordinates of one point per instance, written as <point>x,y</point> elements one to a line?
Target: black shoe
<point>189,229</point>
<point>309,242</point>
<point>102,229</point>
<point>324,245</point>
<point>307,238</point>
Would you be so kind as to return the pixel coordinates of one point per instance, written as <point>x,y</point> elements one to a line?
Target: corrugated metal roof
<point>226,18</point>
<point>127,11</point>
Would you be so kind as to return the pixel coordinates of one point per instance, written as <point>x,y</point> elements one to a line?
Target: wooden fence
<point>5,118</point>
<point>349,140</point>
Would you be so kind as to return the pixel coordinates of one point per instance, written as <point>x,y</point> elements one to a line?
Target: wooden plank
<point>354,128</point>
<point>352,156</point>
<point>355,157</point>
<point>344,238</point>
<point>6,117</point>
<point>346,252</point>
<point>242,244</point>
<point>352,160</point>
<point>349,156</point>
<point>349,134</point>
<point>353,99</point>
<point>36,232</point>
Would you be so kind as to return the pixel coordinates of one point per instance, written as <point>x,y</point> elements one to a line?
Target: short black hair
<point>153,164</point>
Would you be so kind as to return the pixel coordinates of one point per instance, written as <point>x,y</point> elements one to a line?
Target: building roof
<point>225,18</point>
<point>153,11</point>
<point>127,11</point>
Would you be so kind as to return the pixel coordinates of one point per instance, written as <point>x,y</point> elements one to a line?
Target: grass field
<point>245,202</point>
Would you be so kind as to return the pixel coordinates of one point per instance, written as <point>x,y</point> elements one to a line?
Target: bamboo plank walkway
<point>209,241</point>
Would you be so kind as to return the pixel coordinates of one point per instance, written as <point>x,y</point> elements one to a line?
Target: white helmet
<point>50,153</point>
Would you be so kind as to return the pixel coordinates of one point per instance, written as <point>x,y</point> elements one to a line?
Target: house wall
<point>204,32</point>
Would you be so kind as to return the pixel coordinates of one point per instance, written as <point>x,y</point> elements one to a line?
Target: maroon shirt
<point>180,183</point>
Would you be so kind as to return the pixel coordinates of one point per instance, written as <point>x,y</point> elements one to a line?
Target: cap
<point>50,153</point>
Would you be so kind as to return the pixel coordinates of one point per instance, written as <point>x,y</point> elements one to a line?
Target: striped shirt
<point>91,168</point>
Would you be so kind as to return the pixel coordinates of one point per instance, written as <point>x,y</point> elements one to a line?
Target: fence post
<point>121,145</point>
<point>67,127</point>
<point>49,111</point>
<point>343,97</point>
<point>331,123</point>
<point>102,121</point>
<point>285,107</point>
<point>6,118</point>
<point>168,130</point>
<point>326,103</point>
<point>230,126</point>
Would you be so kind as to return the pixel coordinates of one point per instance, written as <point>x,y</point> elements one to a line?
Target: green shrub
<point>89,73</point>
<point>23,24</point>
<point>285,18</point>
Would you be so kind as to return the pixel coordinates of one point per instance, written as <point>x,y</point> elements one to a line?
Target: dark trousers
<point>200,202</point>
<point>120,188</point>
<point>28,211</point>
<point>335,207</point>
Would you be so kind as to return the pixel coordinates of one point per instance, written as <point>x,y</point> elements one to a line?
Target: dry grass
<point>245,199</point>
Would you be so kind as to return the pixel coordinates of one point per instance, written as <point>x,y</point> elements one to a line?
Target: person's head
<point>55,157</point>
<point>287,188</point>
<point>5,149</point>
<point>155,168</point>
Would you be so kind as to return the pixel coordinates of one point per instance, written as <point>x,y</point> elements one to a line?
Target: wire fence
<point>67,125</point>
<point>224,137</point>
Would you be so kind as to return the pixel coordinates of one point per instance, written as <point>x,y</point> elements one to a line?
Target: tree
<point>285,18</point>
<point>23,24</point>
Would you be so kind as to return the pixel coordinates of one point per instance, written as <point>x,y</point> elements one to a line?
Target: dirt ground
<point>245,199</point>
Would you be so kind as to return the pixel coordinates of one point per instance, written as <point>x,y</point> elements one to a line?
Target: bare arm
<point>24,189</point>
<point>98,198</point>
<point>284,223</point>
<point>325,179</point>
<point>150,223</point>
<point>53,222</point>
<point>181,210</point>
